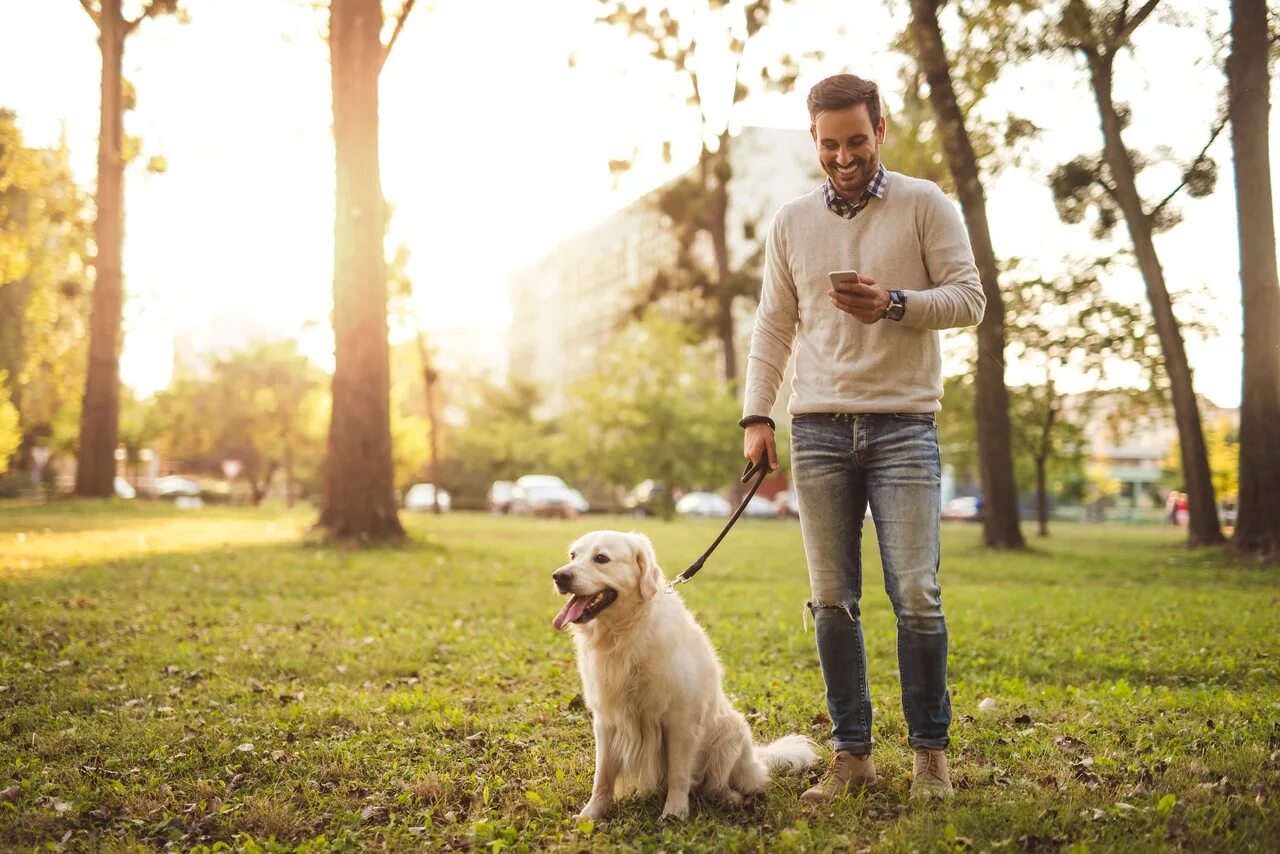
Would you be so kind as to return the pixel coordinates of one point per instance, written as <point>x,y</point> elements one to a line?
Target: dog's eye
<point>601,558</point>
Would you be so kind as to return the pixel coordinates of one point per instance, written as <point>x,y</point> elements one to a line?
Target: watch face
<point>895,311</point>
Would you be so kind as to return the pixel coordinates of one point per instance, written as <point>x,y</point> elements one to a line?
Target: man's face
<point>848,148</point>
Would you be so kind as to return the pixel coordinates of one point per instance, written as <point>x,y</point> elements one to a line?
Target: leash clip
<point>671,588</point>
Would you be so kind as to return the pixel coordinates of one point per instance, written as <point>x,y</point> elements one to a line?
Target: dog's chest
<point>624,688</point>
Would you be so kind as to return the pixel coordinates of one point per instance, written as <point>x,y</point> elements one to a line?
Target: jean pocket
<point>915,417</point>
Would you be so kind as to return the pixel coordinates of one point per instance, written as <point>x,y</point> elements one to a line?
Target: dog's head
<point>608,573</point>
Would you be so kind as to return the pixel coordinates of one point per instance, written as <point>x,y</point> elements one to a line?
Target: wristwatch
<point>897,305</point>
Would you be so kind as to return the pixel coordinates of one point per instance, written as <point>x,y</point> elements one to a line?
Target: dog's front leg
<point>680,737</point>
<point>606,772</point>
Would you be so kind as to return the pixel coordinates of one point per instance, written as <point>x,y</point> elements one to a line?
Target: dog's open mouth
<point>584,609</point>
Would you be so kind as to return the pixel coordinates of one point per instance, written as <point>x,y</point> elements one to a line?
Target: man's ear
<point>647,564</point>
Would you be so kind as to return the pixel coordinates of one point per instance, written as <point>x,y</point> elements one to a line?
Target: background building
<point>566,306</point>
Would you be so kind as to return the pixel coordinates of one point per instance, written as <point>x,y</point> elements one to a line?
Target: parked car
<point>123,489</point>
<point>646,499</point>
<point>787,505</point>
<point>173,486</point>
<point>546,499</point>
<point>499,497</point>
<point>760,506</point>
<point>546,495</point>
<point>422,497</point>
<point>703,504</point>
<point>963,508</point>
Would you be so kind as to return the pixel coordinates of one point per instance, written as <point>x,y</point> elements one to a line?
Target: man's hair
<point>843,91</point>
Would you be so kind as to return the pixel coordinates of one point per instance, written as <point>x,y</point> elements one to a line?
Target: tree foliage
<point>652,410</point>
<point>43,306</point>
<point>264,406</point>
<point>693,41</point>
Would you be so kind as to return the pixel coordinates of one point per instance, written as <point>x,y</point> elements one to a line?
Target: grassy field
<point>212,679</point>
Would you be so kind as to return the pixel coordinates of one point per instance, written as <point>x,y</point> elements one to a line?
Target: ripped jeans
<point>840,463</point>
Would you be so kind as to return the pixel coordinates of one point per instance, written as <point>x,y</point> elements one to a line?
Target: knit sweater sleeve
<point>775,326</point>
<point>956,298</point>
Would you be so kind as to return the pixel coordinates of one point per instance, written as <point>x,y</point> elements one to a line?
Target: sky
<point>498,120</point>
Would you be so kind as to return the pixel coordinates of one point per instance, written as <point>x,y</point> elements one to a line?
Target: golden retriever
<point>652,682</point>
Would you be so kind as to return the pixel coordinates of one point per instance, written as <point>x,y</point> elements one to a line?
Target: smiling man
<point>868,380</point>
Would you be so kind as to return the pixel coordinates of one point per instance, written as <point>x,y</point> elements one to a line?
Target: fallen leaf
<point>10,793</point>
<point>247,747</point>
<point>987,705</point>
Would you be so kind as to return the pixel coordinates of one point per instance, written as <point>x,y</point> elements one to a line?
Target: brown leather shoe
<point>930,777</point>
<point>845,773</point>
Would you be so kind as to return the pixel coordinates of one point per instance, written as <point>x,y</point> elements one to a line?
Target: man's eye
<point>602,558</point>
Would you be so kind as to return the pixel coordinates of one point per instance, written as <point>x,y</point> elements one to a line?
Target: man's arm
<point>775,327</point>
<point>956,298</point>
<point>771,340</point>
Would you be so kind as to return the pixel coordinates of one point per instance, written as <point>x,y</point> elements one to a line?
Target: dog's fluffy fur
<point>652,682</point>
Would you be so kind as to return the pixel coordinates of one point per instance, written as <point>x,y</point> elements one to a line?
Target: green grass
<point>212,679</point>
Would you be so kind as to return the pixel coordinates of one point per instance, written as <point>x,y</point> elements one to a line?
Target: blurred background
<point>575,201</point>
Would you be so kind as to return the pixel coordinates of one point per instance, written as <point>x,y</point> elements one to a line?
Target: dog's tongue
<point>571,611</point>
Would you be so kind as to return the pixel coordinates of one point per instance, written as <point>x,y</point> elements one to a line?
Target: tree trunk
<point>1258,508</point>
<point>429,378</point>
<point>289,484</point>
<point>1203,527</point>
<point>359,500</point>
<point>1042,458</point>
<point>100,413</point>
<point>1000,526</point>
<point>715,186</point>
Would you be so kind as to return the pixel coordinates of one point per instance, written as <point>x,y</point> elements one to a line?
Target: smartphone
<point>839,276</point>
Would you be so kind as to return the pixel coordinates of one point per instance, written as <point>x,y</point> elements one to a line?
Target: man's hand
<point>864,299</point>
<point>757,438</point>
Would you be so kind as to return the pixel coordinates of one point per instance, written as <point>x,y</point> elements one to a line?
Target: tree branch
<point>395,33</point>
<point>1199,158</point>
<point>153,8</point>
<point>93,13</point>
<point>1136,21</point>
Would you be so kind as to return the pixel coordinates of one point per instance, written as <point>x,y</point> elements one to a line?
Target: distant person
<point>1171,507</point>
<point>868,380</point>
<point>1183,509</point>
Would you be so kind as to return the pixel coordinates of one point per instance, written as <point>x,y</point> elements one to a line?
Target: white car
<point>760,506</point>
<point>546,495</point>
<point>422,497</point>
<point>174,486</point>
<point>703,504</point>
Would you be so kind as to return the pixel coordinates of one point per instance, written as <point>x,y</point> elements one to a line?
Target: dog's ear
<point>647,563</point>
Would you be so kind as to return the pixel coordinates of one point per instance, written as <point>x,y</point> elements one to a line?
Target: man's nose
<point>563,577</point>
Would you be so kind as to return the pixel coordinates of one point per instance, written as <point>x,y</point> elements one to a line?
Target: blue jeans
<point>840,463</point>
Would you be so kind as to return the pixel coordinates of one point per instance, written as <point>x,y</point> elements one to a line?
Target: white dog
<point>652,682</point>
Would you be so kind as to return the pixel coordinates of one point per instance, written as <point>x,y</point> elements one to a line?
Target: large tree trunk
<point>1203,527</point>
<point>1258,509</point>
<point>1000,526</point>
<point>359,500</point>
<point>100,413</point>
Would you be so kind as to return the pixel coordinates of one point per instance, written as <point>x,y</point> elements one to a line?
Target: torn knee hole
<point>814,608</point>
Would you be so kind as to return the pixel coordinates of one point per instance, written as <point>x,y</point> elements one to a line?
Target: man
<point>868,380</point>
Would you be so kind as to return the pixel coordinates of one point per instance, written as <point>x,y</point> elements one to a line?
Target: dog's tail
<point>789,753</point>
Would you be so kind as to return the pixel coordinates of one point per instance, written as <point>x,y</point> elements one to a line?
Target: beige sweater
<point>911,240</point>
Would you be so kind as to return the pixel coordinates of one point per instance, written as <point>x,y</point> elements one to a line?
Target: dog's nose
<point>563,578</point>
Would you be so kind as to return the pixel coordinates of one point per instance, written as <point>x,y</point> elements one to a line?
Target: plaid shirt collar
<point>840,207</point>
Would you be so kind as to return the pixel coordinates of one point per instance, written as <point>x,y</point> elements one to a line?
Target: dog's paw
<point>676,811</point>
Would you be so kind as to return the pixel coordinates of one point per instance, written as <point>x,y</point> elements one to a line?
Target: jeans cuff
<point>928,743</point>
<point>857,748</point>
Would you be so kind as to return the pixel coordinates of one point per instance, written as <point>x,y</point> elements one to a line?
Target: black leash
<point>761,470</point>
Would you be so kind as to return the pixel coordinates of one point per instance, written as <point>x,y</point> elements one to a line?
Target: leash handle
<point>761,470</point>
